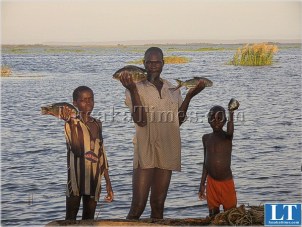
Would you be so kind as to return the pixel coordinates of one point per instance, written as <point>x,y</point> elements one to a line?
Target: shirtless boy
<point>217,184</point>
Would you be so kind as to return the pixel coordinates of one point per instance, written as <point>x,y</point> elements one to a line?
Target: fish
<point>138,74</point>
<point>233,104</point>
<point>55,109</point>
<point>76,131</point>
<point>192,83</point>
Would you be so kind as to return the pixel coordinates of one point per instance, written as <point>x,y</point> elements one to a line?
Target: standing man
<point>157,111</point>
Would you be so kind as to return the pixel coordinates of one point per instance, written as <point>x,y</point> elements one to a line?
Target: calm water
<point>267,144</point>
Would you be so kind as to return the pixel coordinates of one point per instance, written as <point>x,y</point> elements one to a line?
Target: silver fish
<point>192,83</point>
<point>138,74</point>
<point>233,105</point>
<point>55,109</point>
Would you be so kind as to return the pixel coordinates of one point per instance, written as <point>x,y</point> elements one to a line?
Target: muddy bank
<point>239,216</point>
<point>142,222</point>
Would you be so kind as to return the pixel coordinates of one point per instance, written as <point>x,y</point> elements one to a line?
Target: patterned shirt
<point>158,143</point>
<point>86,160</point>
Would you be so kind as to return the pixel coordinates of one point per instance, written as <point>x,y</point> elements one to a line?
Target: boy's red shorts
<point>221,193</point>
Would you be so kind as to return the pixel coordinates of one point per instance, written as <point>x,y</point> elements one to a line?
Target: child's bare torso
<point>218,147</point>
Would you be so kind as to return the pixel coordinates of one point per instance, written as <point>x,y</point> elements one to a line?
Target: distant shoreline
<point>159,42</point>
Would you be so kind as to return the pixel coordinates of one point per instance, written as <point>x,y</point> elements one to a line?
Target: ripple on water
<point>266,146</point>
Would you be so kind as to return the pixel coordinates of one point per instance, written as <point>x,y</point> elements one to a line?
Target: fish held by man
<point>55,109</point>
<point>192,83</point>
<point>138,74</point>
<point>233,105</point>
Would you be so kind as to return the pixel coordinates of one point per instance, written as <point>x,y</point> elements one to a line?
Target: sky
<point>109,21</point>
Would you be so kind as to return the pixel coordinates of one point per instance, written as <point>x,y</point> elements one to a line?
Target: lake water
<point>267,143</point>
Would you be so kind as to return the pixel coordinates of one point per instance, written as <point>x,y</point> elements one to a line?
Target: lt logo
<point>282,215</point>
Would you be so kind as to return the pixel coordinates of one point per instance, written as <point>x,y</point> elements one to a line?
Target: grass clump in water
<point>167,60</point>
<point>18,51</point>
<point>254,55</point>
<point>5,71</point>
<point>62,50</point>
<point>175,60</point>
<point>209,49</point>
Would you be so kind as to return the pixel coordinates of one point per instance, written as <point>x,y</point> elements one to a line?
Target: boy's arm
<point>138,110</point>
<point>202,187</point>
<point>110,195</point>
<point>182,111</point>
<point>230,124</point>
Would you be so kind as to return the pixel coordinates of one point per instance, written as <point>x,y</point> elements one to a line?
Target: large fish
<point>192,83</point>
<point>138,74</point>
<point>55,109</point>
<point>233,104</point>
<point>76,132</point>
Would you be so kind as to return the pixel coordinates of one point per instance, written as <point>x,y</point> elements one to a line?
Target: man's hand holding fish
<point>198,88</point>
<point>127,81</point>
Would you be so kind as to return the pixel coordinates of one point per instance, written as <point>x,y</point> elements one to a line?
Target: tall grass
<point>175,60</point>
<point>168,60</point>
<point>209,49</point>
<point>5,71</point>
<point>254,55</point>
<point>62,50</point>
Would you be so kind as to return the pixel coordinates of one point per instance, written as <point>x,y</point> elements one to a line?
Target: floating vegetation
<point>18,51</point>
<point>168,60</point>
<point>254,55</point>
<point>191,49</point>
<point>175,60</point>
<point>5,71</point>
<point>209,49</point>
<point>63,50</point>
<point>290,46</point>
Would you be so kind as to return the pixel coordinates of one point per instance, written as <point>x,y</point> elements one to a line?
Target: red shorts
<point>221,193</point>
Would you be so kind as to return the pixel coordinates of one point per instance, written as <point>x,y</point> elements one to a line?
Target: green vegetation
<point>62,50</point>
<point>176,60</point>
<point>18,51</point>
<point>209,49</point>
<point>168,60</point>
<point>254,55</point>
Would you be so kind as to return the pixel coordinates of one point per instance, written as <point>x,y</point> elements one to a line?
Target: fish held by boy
<point>233,105</point>
<point>55,109</point>
<point>138,74</point>
<point>192,83</point>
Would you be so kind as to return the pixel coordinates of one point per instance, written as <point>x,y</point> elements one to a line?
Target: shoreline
<point>239,216</point>
<point>134,44</point>
<point>141,222</point>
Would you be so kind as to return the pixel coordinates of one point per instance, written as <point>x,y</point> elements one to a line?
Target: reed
<point>175,60</point>
<point>63,50</point>
<point>18,51</point>
<point>205,49</point>
<point>5,71</point>
<point>168,60</point>
<point>254,55</point>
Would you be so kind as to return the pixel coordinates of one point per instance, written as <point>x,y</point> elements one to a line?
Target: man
<point>157,111</point>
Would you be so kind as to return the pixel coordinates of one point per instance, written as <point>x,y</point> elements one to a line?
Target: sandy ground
<point>142,222</point>
<point>239,216</point>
